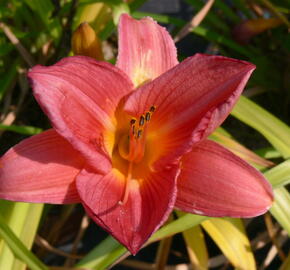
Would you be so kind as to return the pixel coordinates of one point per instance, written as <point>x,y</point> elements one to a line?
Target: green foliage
<point>39,32</point>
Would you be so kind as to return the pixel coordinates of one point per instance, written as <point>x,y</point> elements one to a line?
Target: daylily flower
<point>129,141</point>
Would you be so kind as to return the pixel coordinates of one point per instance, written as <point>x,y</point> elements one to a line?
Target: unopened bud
<point>85,42</point>
<point>244,31</point>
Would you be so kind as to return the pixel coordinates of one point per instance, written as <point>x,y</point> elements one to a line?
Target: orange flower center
<point>132,147</point>
<point>131,153</point>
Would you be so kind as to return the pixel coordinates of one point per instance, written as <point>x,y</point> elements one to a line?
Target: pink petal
<point>146,50</point>
<point>215,182</point>
<point>191,100</point>
<point>41,168</point>
<point>80,95</point>
<point>149,203</point>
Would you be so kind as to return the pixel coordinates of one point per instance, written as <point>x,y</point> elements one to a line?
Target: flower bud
<point>243,32</point>
<point>85,42</point>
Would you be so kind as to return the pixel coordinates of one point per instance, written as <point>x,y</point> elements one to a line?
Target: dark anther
<point>147,116</point>
<point>152,109</point>
<point>133,121</point>
<point>142,120</point>
<point>139,133</point>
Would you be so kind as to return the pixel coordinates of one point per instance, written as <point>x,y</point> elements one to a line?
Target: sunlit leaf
<point>230,236</point>
<point>196,247</point>
<point>19,248</point>
<point>23,219</point>
<point>280,208</point>
<point>268,153</point>
<point>279,175</point>
<point>26,130</point>
<point>109,250</point>
<point>275,131</point>
<point>241,150</point>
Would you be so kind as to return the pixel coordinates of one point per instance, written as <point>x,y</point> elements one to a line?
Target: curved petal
<point>41,168</point>
<point>80,95</point>
<point>190,101</point>
<point>149,203</point>
<point>146,50</point>
<point>215,182</point>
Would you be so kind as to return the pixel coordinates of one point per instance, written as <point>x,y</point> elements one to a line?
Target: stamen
<point>147,116</point>
<point>132,148</point>
<point>139,133</point>
<point>142,120</point>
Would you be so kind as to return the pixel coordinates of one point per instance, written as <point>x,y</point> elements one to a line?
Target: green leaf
<point>29,230</point>
<point>8,79</point>
<point>279,175</point>
<point>196,247</point>
<point>280,208</point>
<point>230,235</point>
<point>103,255</point>
<point>23,220</point>
<point>109,250</point>
<point>26,130</point>
<point>240,150</point>
<point>242,6</point>
<point>159,18</point>
<point>268,153</point>
<point>118,10</point>
<point>274,130</point>
<point>14,219</point>
<point>43,8</point>
<point>227,11</point>
<point>220,39</point>
<point>18,248</point>
<point>211,19</point>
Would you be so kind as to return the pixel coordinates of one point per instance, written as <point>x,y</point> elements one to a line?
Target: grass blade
<point>274,130</point>
<point>18,247</point>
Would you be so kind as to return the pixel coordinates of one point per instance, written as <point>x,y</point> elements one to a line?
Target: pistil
<point>132,147</point>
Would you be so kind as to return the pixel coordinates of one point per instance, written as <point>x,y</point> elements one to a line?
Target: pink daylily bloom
<point>129,141</point>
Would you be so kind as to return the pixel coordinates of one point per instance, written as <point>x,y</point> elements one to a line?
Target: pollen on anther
<point>147,116</point>
<point>139,133</point>
<point>152,109</point>
<point>142,120</point>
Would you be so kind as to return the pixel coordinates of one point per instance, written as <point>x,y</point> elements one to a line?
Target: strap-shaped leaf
<point>280,209</point>
<point>230,236</point>
<point>279,175</point>
<point>274,130</point>
<point>196,247</point>
<point>109,250</point>
<point>19,249</point>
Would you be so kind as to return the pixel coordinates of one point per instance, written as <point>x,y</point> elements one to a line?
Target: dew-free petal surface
<point>80,95</point>
<point>42,169</point>
<point>146,50</point>
<point>191,100</point>
<point>149,203</point>
<point>215,182</point>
